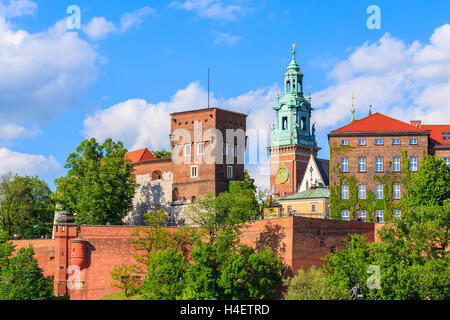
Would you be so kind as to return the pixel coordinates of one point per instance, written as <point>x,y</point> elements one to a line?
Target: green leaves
<point>26,206</point>
<point>99,185</point>
<point>431,184</point>
<point>22,279</point>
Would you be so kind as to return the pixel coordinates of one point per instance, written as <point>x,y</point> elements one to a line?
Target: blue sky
<point>133,63</point>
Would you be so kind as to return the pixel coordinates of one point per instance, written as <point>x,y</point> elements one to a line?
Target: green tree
<point>220,260</point>
<point>412,255</point>
<point>99,185</point>
<point>312,284</point>
<point>22,279</point>
<point>248,274</point>
<point>162,154</point>
<point>127,278</point>
<point>431,184</point>
<point>165,278</point>
<point>6,250</point>
<point>346,267</point>
<point>26,206</point>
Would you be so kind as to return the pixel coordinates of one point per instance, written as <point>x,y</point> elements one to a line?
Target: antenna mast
<point>208,88</point>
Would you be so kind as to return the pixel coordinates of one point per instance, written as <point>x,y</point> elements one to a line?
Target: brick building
<point>373,146</point>
<point>208,147</point>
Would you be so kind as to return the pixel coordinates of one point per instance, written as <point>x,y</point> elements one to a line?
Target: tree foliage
<point>99,185</point>
<point>312,284</point>
<point>431,184</point>
<point>22,279</point>
<point>348,267</point>
<point>127,278</point>
<point>26,206</point>
<point>165,278</point>
<point>162,154</point>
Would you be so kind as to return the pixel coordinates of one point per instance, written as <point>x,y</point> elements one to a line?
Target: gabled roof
<point>324,169</point>
<point>437,134</point>
<point>378,122</point>
<point>311,193</point>
<point>140,155</point>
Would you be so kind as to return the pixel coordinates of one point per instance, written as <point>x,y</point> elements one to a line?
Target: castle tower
<point>293,138</point>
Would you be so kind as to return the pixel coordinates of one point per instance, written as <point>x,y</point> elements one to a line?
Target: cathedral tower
<point>293,138</point>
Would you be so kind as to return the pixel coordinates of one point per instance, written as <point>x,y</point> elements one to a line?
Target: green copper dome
<point>293,111</point>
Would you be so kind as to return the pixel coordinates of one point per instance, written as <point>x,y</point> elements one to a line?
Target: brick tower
<point>293,139</point>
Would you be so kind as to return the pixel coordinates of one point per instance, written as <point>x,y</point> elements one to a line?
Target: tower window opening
<point>288,86</point>
<point>304,123</point>
<point>284,123</point>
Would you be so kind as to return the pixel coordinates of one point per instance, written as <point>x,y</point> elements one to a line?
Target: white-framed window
<point>396,141</point>
<point>379,194</point>
<point>378,142</point>
<point>344,192</point>
<point>379,164</point>
<point>361,142</point>
<point>230,172</point>
<point>397,193</point>
<point>397,214</point>
<point>379,216</point>
<point>344,164</point>
<point>345,215</point>
<point>396,164</point>
<point>362,164</point>
<point>194,171</point>
<point>313,207</point>
<point>447,161</point>
<point>413,141</point>
<point>413,164</point>
<point>362,191</point>
<point>187,150</point>
<point>363,215</point>
<point>289,209</point>
<point>200,148</point>
<point>344,142</point>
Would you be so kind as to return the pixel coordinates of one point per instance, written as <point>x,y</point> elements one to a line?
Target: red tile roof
<point>436,136</point>
<point>140,155</point>
<point>378,122</point>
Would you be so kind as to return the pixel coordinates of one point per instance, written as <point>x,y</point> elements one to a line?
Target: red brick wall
<point>44,251</point>
<point>305,240</point>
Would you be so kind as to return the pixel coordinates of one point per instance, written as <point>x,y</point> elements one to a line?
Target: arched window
<point>288,86</point>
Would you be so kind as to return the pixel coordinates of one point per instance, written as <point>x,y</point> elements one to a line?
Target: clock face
<point>282,175</point>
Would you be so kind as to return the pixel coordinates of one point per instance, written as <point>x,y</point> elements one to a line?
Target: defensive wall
<point>299,241</point>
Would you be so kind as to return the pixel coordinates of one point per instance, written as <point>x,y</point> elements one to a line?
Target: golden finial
<point>353,108</point>
<point>293,48</point>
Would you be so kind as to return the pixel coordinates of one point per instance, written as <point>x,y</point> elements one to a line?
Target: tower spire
<point>353,108</point>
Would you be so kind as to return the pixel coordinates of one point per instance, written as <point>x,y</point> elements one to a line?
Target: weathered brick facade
<point>170,183</point>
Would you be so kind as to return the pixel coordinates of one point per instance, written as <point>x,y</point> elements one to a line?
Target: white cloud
<point>17,8</point>
<point>226,38</point>
<point>99,28</point>
<point>214,9</point>
<point>134,18</point>
<point>140,124</point>
<point>404,81</point>
<point>27,164</point>
<point>42,73</point>
<point>13,131</point>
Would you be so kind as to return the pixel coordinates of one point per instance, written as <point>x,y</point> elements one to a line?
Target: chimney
<point>416,123</point>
